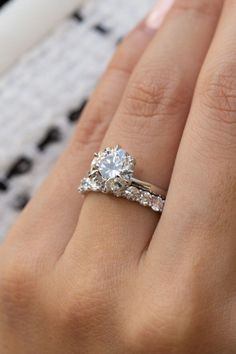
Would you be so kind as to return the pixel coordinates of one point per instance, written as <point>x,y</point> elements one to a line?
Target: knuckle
<point>149,333</point>
<point>84,308</point>
<point>93,124</point>
<point>166,325</point>
<point>217,102</point>
<point>160,330</point>
<point>204,7</point>
<point>17,291</point>
<point>120,69</point>
<point>98,112</point>
<point>218,94</point>
<point>148,99</point>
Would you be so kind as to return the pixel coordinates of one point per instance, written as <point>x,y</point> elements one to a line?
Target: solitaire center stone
<point>114,164</point>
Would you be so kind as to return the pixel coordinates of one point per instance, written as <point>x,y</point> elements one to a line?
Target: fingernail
<point>158,13</point>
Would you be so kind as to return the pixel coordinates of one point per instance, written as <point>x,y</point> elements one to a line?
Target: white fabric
<point>51,80</point>
<point>24,22</point>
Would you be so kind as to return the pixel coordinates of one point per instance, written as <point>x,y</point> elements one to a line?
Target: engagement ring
<point>112,171</point>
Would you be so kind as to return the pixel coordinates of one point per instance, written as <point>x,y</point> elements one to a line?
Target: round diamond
<point>146,199</point>
<point>116,185</point>
<point>94,185</point>
<point>132,193</point>
<point>115,163</point>
<point>85,185</point>
<point>157,204</point>
<point>89,184</point>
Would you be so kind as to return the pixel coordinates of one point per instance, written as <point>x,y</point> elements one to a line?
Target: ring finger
<point>58,193</point>
<point>149,123</point>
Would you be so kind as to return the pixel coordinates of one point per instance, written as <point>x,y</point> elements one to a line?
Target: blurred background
<point>52,53</point>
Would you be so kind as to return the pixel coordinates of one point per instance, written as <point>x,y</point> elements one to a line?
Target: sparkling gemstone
<point>132,193</point>
<point>95,185</point>
<point>90,184</point>
<point>116,185</point>
<point>115,163</point>
<point>146,199</point>
<point>85,185</point>
<point>95,162</point>
<point>157,204</point>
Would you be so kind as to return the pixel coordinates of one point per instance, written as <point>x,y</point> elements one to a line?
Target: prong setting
<point>112,171</point>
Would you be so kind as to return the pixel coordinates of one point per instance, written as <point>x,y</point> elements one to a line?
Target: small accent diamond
<point>132,193</point>
<point>116,186</point>
<point>85,185</point>
<point>146,199</point>
<point>95,186</point>
<point>157,204</point>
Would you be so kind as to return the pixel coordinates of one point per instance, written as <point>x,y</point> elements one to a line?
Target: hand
<point>104,275</point>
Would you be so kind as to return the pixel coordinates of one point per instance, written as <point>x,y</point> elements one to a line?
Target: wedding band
<point>112,171</point>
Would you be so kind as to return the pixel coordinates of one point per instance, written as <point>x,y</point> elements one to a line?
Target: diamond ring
<point>112,171</point>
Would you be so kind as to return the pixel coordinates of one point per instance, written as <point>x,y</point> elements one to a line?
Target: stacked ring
<point>112,171</point>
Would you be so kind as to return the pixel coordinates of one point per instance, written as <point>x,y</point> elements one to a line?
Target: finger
<point>203,189</point>
<point>148,124</point>
<point>49,220</point>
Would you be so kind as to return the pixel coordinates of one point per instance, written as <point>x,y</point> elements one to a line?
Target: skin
<point>104,275</point>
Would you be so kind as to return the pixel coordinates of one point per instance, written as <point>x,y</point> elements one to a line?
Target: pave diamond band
<point>112,171</point>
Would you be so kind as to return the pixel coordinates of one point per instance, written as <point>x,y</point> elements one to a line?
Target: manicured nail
<point>158,14</point>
